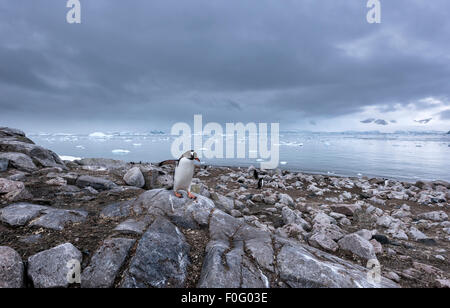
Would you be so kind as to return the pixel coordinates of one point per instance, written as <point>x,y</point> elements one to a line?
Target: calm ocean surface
<point>404,156</point>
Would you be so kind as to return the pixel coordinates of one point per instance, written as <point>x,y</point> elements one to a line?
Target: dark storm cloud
<point>139,64</point>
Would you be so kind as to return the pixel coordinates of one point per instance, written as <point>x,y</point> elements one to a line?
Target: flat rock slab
<point>94,182</point>
<point>19,161</point>
<point>117,210</point>
<point>132,226</point>
<point>52,268</point>
<point>11,268</point>
<point>184,212</point>
<point>302,266</point>
<point>106,263</point>
<point>20,213</point>
<point>40,155</point>
<point>56,219</point>
<point>161,258</point>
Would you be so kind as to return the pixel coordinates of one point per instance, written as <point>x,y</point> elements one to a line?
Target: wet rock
<point>437,216</point>
<point>56,219</point>
<point>11,268</point>
<point>134,177</point>
<point>20,213</point>
<point>52,268</point>
<point>106,263</point>
<point>94,182</point>
<point>19,161</point>
<point>358,246</point>
<point>161,258</point>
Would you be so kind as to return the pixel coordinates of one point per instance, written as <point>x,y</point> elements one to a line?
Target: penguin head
<point>192,155</point>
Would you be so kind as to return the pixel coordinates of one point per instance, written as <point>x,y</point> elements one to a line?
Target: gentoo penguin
<point>184,170</point>
<point>260,179</point>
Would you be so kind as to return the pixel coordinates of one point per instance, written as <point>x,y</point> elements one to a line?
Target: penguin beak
<point>197,159</point>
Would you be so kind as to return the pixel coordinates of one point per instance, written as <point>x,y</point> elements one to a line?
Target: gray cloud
<point>445,115</point>
<point>148,64</point>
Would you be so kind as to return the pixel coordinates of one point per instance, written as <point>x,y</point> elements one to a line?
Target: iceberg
<point>99,135</point>
<point>120,152</point>
<point>67,157</point>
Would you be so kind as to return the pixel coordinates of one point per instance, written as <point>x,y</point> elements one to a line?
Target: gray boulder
<point>322,241</point>
<point>117,210</point>
<point>95,182</point>
<point>184,212</point>
<point>132,226</point>
<point>53,268</point>
<point>106,163</point>
<point>302,266</point>
<point>134,177</point>
<point>161,258</point>
<point>39,155</point>
<point>20,213</point>
<point>437,216</point>
<point>4,164</point>
<point>346,209</point>
<point>56,219</point>
<point>11,268</point>
<point>106,263</point>
<point>358,246</point>
<point>19,161</point>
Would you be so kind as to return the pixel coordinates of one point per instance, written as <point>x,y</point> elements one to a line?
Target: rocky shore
<point>108,223</point>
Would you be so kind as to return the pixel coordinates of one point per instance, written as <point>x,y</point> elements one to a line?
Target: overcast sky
<point>145,64</point>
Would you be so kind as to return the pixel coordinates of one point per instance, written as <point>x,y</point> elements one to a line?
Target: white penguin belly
<point>183,174</point>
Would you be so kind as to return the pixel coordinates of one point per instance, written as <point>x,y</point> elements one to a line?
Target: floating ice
<point>120,152</point>
<point>70,158</point>
<point>99,135</point>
